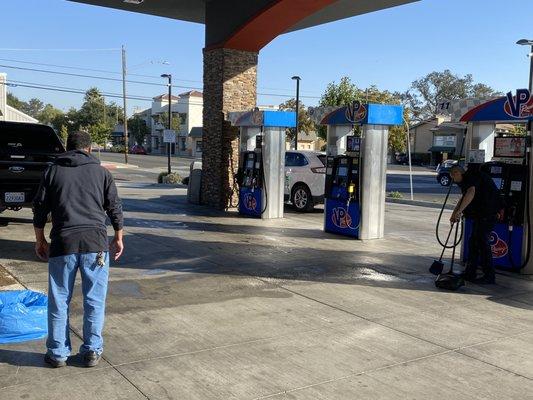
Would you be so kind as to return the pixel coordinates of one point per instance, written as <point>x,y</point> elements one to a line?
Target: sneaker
<point>91,359</point>
<point>53,362</point>
<point>485,280</point>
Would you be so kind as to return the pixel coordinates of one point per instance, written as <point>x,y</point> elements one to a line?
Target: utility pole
<point>124,99</point>
<point>169,77</point>
<point>297,79</point>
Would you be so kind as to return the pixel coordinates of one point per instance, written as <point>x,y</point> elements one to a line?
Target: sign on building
<point>169,136</point>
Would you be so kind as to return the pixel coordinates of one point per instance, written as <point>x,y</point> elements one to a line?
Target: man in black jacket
<point>78,192</point>
<point>481,203</point>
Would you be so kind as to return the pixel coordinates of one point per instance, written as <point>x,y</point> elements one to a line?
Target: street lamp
<point>169,77</point>
<point>297,79</point>
<point>529,42</point>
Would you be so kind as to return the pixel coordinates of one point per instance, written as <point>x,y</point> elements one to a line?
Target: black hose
<point>456,241</point>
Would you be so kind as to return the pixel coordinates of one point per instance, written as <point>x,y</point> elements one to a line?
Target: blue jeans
<point>61,276</point>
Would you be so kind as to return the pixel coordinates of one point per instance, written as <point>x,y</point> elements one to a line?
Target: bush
<point>395,195</point>
<point>117,148</point>
<point>172,178</point>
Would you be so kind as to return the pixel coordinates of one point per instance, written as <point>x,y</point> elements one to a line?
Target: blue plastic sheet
<point>23,316</point>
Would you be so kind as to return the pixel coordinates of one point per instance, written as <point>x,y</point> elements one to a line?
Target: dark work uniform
<point>483,211</point>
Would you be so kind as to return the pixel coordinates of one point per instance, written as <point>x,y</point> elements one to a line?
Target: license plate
<point>14,197</point>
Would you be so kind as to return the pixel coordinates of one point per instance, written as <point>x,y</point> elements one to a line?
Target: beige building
<point>189,107</point>
<point>307,141</point>
<point>8,113</point>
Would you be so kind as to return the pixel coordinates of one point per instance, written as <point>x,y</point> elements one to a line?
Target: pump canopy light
<point>136,2</point>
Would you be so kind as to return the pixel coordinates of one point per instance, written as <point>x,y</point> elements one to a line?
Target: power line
<point>119,73</point>
<point>77,50</point>
<point>72,90</point>
<point>95,77</point>
<point>90,69</point>
<point>135,82</point>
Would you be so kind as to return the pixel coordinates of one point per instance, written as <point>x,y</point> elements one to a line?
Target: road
<point>425,186</point>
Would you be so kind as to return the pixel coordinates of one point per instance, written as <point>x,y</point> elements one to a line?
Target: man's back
<point>78,192</point>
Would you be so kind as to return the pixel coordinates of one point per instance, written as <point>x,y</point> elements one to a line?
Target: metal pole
<point>124,99</point>
<point>169,118</point>
<point>529,266</point>
<point>409,158</point>
<point>297,113</point>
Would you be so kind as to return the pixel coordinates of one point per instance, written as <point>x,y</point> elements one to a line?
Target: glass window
<point>182,142</point>
<point>290,159</point>
<point>183,118</point>
<point>301,160</point>
<point>198,146</point>
<point>295,160</point>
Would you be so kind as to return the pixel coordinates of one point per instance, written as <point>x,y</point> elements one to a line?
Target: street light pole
<point>124,99</point>
<point>297,79</point>
<point>169,76</point>
<point>525,42</point>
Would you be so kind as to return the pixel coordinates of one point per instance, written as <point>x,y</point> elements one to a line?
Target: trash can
<point>194,186</point>
<point>23,316</point>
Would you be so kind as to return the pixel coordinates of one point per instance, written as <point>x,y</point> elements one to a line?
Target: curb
<point>419,203</point>
<point>112,165</point>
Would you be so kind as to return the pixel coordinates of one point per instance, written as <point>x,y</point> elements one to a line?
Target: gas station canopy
<point>268,18</point>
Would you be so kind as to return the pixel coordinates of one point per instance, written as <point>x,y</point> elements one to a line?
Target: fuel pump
<point>356,166</point>
<point>251,181</point>
<point>261,173</point>
<point>509,171</point>
<point>342,213</point>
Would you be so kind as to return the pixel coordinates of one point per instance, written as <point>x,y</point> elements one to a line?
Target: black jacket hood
<point>75,158</point>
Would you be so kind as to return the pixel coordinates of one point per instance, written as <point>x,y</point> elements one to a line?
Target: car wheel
<point>301,199</point>
<point>444,180</point>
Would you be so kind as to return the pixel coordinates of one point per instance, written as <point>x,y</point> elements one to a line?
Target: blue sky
<point>389,48</point>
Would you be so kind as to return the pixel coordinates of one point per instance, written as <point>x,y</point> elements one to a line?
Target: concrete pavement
<point>205,305</point>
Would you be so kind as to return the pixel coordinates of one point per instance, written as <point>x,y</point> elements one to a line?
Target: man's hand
<point>117,245</point>
<point>455,217</point>
<point>42,249</point>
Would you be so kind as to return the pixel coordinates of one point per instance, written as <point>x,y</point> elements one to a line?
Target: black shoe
<point>53,362</point>
<point>91,359</point>
<point>485,280</point>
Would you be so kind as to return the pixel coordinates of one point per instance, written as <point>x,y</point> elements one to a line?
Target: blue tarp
<point>23,316</point>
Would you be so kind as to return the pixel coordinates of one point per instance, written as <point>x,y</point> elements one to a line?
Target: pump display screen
<point>498,182</point>
<point>342,171</point>
<point>353,143</point>
<point>250,164</point>
<point>510,147</point>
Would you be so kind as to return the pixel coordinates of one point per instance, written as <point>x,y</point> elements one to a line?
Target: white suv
<point>305,177</point>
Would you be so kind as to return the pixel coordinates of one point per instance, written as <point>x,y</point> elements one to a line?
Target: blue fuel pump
<point>356,167</point>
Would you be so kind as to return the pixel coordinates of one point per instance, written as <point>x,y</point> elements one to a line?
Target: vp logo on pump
<point>498,246</point>
<point>250,203</point>
<point>519,106</point>
<point>341,218</point>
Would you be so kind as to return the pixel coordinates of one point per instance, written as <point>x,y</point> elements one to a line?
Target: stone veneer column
<point>230,83</point>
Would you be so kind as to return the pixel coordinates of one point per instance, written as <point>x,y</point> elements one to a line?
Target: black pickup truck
<point>26,150</point>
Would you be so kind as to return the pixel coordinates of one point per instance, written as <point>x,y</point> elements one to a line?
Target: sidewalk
<point>206,305</point>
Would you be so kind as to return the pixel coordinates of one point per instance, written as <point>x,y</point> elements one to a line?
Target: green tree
<point>162,118</point>
<point>426,93</point>
<point>15,102</point>
<point>92,110</point>
<point>52,116</point>
<point>138,128</point>
<point>100,133</point>
<point>63,134</point>
<point>305,123</point>
<point>34,107</point>
<point>346,92</point>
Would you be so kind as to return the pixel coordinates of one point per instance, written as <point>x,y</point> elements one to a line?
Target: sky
<point>388,48</point>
